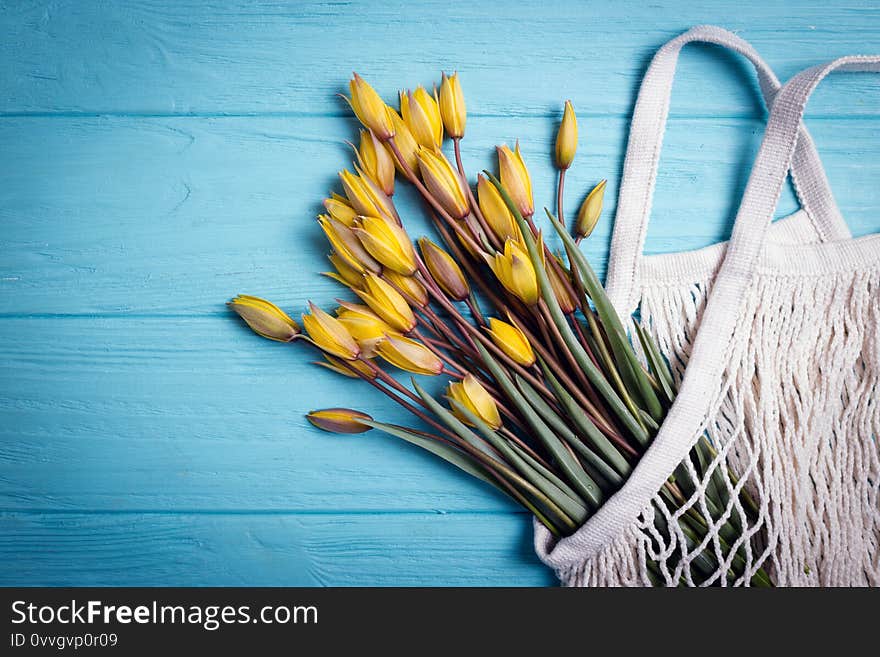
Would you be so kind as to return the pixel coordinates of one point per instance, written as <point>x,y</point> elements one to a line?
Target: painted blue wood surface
<point>158,157</point>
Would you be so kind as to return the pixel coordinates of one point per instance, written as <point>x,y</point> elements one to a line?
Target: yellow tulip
<point>388,243</point>
<point>342,367</point>
<point>265,318</point>
<point>444,270</point>
<point>345,273</point>
<point>414,291</point>
<point>515,272</point>
<point>370,108</point>
<point>340,209</point>
<point>567,138</point>
<point>515,178</point>
<point>347,246</point>
<point>329,334</point>
<point>366,197</point>
<point>339,420</point>
<point>409,355</point>
<point>376,161</point>
<point>443,182</point>
<point>452,107</point>
<point>405,142</point>
<point>591,209</point>
<point>421,114</point>
<point>509,339</point>
<point>471,394</point>
<point>495,211</point>
<point>388,303</point>
<point>363,325</point>
<point>562,287</point>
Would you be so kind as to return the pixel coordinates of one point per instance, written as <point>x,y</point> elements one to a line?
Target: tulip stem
<point>493,239</point>
<point>559,194</point>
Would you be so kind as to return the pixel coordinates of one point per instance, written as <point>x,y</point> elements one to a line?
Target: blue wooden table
<point>158,157</point>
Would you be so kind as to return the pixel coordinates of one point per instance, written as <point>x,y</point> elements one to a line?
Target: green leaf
<point>573,470</point>
<point>658,364</point>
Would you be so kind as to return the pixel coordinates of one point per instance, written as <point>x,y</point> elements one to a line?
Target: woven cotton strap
<point>643,159</point>
<point>705,371</point>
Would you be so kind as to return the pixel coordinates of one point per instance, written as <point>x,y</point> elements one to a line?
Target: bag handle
<point>643,159</point>
<point>686,417</point>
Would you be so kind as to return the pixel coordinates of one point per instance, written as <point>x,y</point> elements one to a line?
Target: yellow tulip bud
<point>444,270</point>
<point>342,367</point>
<point>388,243</point>
<point>366,197</point>
<point>339,420</point>
<point>588,215</point>
<point>406,143</point>
<point>347,246</point>
<point>509,339</point>
<point>452,107</point>
<point>363,325</point>
<point>370,108</point>
<point>515,178</point>
<point>340,209</point>
<point>345,273</point>
<point>515,272</point>
<point>471,394</point>
<point>265,318</point>
<point>409,355</point>
<point>329,334</point>
<point>495,211</point>
<point>562,288</point>
<point>567,138</point>
<point>421,114</point>
<point>443,182</point>
<point>376,161</point>
<point>388,303</point>
<point>408,286</point>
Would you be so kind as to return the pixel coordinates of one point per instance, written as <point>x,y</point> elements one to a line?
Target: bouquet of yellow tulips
<point>547,399</point>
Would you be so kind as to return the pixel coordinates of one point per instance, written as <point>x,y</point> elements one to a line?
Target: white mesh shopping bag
<point>784,378</point>
<point>671,289</point>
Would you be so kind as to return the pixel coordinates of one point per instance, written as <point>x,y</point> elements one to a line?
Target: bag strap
<point>706,366</point>
<point>643,159</point>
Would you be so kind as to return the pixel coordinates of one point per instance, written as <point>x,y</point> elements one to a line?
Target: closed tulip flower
<point>562,288</point>
<point>408,286</point>
<point>567,138</point>
<point>515,272</point>
<point>452,108</point>
<point>366,197</point>
<point>345,273</point>
<point>370,108</point>
<point>496,212</point>
<point>388,243</point>
<point>471,394</point>
<point>515,178</point>
<point>409,355</point>
<point>339,420</point>
<point>265,318</point>
<point>511,341</point>
<point>388,303</point>
<point>363,325</point>
<point>340,209</point>
<point>591,209</point>
<point>406,144</point>
<point>347,245</point>
<point>444,270</point>
<point>421,114</point>
<point>443,182</point>
<point>329,334</point>
<point>376,161</point>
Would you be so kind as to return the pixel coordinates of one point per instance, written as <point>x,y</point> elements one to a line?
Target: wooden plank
<point>61,549</point>
<point>196,56</point>
<point>197,413</point>
<point>174,215</point>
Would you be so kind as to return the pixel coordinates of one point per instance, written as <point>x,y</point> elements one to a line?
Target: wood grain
<point>158,157</point>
